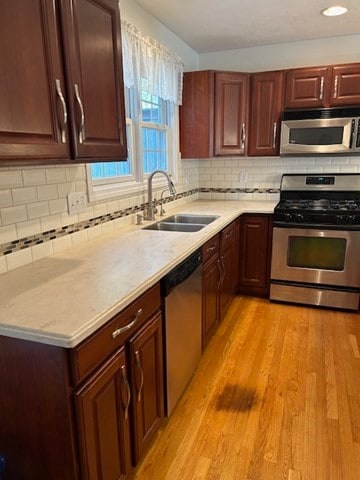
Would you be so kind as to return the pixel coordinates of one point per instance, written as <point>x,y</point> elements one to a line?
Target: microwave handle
<point>352,134</point>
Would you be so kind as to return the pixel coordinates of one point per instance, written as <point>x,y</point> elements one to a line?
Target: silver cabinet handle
<point>121,330</point>
<point>65,115</point>
<point>243,135</point>
<point>126,383</point>
<point>82,115</point>
<point>139,366</point>
<point>336,86</point>
<point>211,249</point>
<point>321,95</point>
<point>274,134</point>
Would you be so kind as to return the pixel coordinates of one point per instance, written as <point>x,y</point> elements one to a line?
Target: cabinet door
<point>197,115</point>
<point>307,87</point>
<point>226,290</point>
<point>146,356</point>
<point>92,43</point>
<point>345,85</point>
<point>211,277</point>
<point>32,91</point>
<point>266,106</point>
<point>102,406</point>
<point>229,257</point>
<point>231,112</point>
<point>255,239</point>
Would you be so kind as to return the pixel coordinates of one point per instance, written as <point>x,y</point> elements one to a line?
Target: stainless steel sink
<point>182,222</point>
<point>174,227</point>
<point>191,218</point>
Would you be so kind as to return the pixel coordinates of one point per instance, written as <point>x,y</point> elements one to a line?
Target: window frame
<point>137,182</point>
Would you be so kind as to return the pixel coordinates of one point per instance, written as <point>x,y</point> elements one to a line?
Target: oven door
<point>314,256</point>
<point>325,136</point>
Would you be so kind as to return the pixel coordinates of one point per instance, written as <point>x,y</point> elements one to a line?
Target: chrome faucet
<point>150,211</point>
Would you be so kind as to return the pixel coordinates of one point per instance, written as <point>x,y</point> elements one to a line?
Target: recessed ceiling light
<point>334,11</point>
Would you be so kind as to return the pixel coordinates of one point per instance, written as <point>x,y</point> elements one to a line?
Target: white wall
<point>323,51</point>
<point>148,25</point>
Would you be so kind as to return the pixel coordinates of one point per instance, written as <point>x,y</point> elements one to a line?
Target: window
<point>153,81</point>
<point>152,138</point>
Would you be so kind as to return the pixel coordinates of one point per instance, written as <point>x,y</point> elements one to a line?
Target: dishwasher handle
<point>180,273</point>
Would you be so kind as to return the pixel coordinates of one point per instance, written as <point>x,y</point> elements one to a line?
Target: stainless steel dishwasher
<point>181,291</point>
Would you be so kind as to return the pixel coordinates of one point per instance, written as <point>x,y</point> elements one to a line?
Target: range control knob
<point>346,219</point>
<point>287,217</point>
<point>299,217</point>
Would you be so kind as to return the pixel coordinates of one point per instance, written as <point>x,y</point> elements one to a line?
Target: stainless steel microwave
<point>322,131</point>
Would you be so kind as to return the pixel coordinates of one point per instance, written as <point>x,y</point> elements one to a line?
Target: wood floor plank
<point>276,396</point>
<point>354,346</point>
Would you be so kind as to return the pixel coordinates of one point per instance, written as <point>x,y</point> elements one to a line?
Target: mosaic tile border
<point>30,241</point>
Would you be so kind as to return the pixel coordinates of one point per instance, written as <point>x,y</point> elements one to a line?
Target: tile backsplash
<point>34,220</point>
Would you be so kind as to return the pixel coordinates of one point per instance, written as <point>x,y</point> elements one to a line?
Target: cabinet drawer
<point>227,235</point>
<point>211,247</point>
<point>94,350</point>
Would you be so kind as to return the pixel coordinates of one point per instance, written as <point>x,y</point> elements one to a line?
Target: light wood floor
<point>276,396</point>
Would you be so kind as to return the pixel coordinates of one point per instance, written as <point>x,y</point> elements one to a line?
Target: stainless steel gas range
<point>316,241</point>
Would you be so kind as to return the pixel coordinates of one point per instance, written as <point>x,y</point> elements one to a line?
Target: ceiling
<point>215,25</point>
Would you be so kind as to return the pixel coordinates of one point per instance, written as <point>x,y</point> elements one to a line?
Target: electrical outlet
<point>243,178</point>
<point>77,202</point>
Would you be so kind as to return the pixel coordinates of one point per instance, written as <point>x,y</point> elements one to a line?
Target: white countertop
<point>62,299</point>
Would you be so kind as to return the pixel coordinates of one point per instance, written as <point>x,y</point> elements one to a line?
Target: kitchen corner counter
<point>62,299</point>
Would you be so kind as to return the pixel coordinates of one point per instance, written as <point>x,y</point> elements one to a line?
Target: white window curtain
<point>144,57</point>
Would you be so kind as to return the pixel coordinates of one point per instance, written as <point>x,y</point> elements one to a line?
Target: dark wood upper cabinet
<point>265,111</point>
<point>92,45</point>
<point>32,119</point>
<point>323,86</point>
<point>61,87</point>
<point>213,115</point>
<point>307,87</point>
<point>346,85</point>
<point>231,111</point>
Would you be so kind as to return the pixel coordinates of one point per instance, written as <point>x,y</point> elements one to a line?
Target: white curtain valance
<point>147,58</point>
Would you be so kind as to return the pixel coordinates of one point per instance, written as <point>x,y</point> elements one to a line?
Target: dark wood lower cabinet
<point>102,407</point>
<point>219,277</point>
<point>229,257</point>
<point>147,385</point>
<point>255,254</point>
<point>88,413</point>
<point>37,436</point>
<point>211,276</point>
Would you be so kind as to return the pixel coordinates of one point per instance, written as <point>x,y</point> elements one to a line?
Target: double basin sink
<point>182,222</point>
